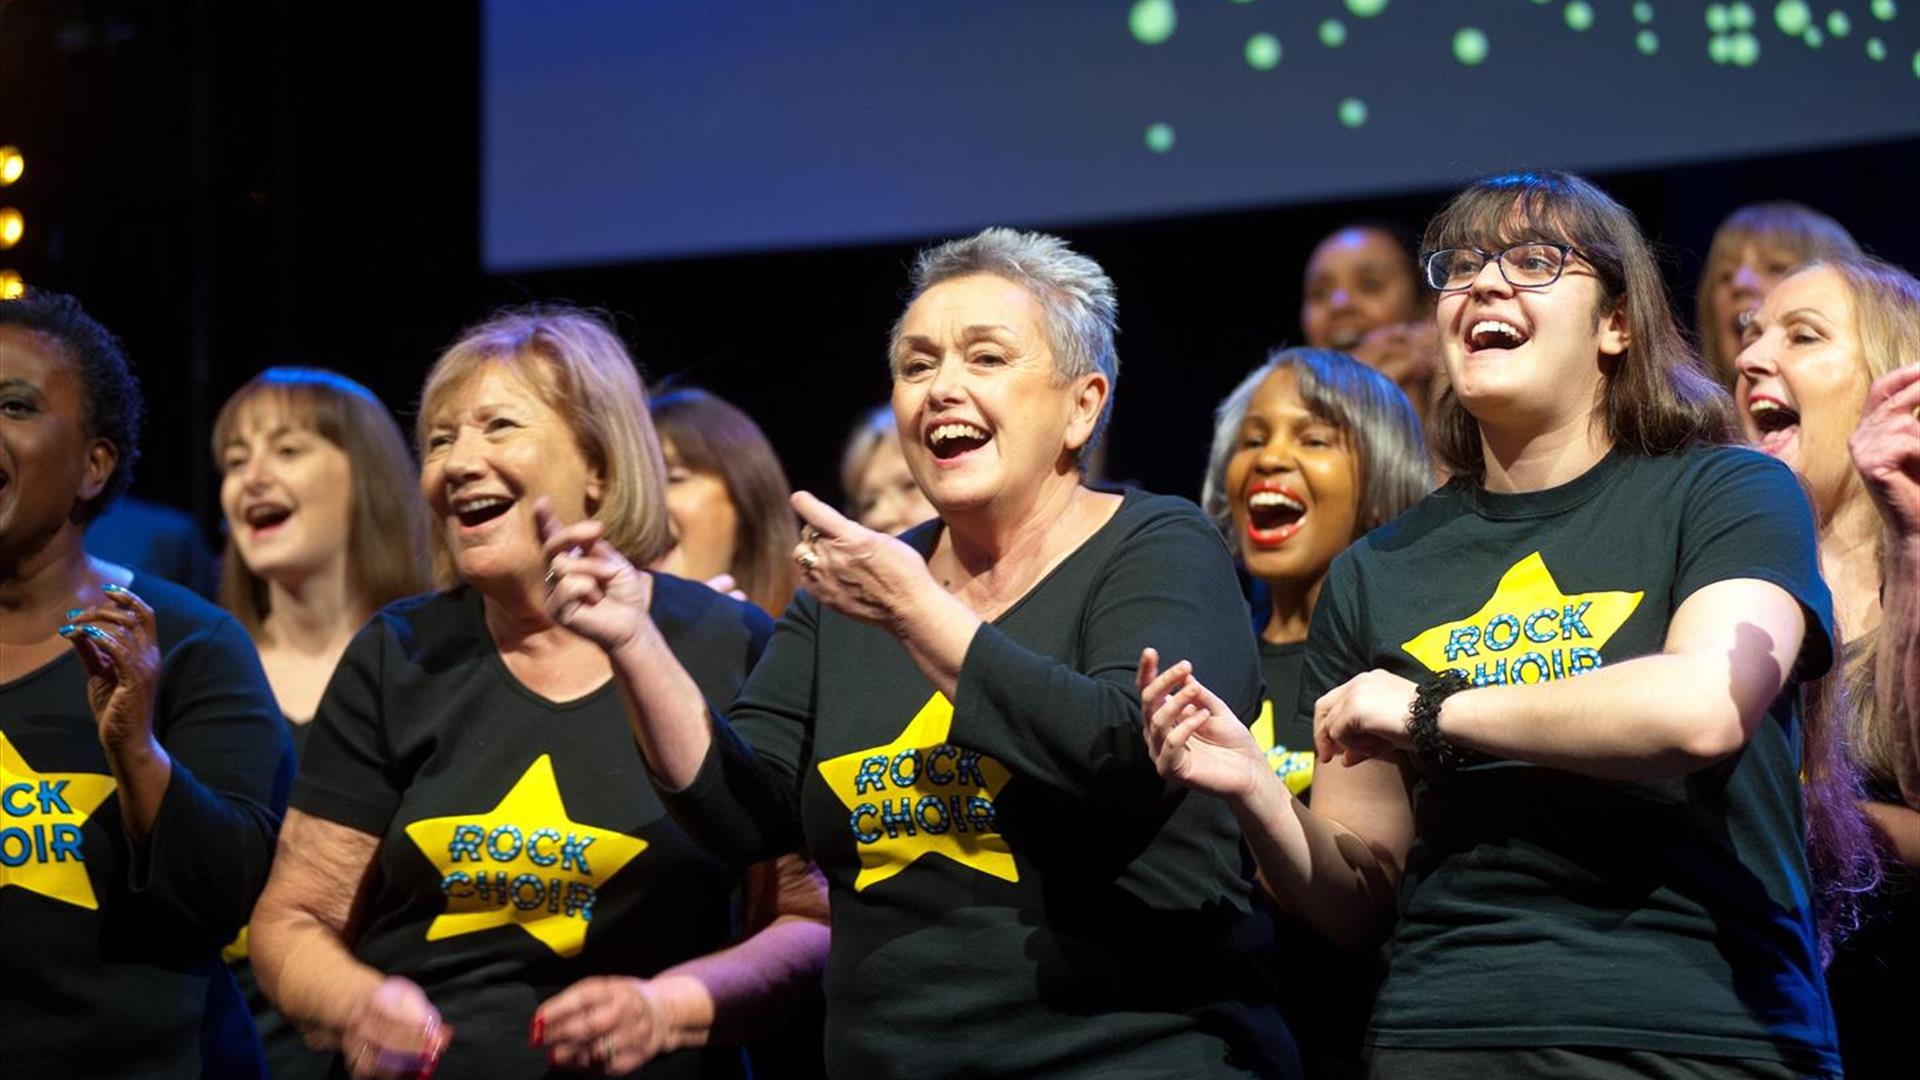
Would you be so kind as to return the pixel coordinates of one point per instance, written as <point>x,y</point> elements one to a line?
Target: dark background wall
<point>232,185</point>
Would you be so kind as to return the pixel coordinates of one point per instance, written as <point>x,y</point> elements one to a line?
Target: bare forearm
<point>1326,875</point>
<point>665,708</point>
<point>306,970</point>
<point>1653,717</point>
<point>740,992</point>
<point>141,771</point>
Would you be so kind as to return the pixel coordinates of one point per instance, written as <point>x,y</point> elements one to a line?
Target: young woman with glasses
<point>1557,702</point>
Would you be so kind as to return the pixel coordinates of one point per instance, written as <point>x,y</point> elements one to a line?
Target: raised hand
<point>603,1025</point>
<point>394,1033</point>
<point>1193,737</point>
<point>854,570</point>
<point>1364,717</point>
<point>119,646</point>
<point>592,589</point>
<point>1886,449</point>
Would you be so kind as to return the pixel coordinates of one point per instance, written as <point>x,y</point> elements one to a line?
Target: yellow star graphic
<point>1293,767</point>
<point>523,863</point>
<point>918,795</point>
<point>40,819</point>
<point>1528,630</point>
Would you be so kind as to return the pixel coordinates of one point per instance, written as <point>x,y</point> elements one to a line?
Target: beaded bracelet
<point>1423,721</point>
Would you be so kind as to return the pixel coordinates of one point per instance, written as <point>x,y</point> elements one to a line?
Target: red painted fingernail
<point>537,1034</point>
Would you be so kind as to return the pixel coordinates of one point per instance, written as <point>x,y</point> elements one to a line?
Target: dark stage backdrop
<point>235,185</point>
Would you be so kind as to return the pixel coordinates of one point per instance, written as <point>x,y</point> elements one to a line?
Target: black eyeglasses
<point>1527,266</point>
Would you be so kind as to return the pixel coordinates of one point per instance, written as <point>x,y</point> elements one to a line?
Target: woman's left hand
<point>1364,717</point>
<point>854,570</point>
<point>606,1025</point>
<point>119,646</point>
<point>1886,449</point>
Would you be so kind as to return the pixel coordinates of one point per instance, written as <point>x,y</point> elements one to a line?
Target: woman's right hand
<point>394,1033</point>
<point>592,589</point>
<point>1194,738</point>
<point>1886,449</point>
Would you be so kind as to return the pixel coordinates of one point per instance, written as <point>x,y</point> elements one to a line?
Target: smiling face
<point>1529,359</point>
<point>48,466</point>
<point>492,448</point>
<point>1358,280</point>
<point>987,420</point>
<point>1294,482</point>
<point>1738,285</point>
<point>705,522</point>
<point>1803,379</point>
<point>287,493</point>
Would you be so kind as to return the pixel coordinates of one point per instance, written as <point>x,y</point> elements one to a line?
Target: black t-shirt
<point>112,959</point>
<point>1015,892</point>
<point>1286,736</point>
<point>521,847</point>
<point>1875,974</point>
<point>1540,907</point>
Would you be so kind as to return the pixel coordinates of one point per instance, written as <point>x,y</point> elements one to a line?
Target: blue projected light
<point>622,132</point>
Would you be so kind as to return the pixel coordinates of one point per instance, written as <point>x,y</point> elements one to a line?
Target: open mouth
<point>1776,422</point>
<point>949,441</point>
<point>475,512</point>
<point>1488,334</point>
<point>263,516</point>
<point>1346,337</point>
<point>1274,515</point>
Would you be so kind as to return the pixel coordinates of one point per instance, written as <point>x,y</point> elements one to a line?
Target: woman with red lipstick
<point>947,720</point>
<point>1310,451</point>
<point>1822,364</point>
<point>475,871</point>
<point>1557,702</point>
<point>142,766</point>
<point>1752,250</point>
<point>324,527</point>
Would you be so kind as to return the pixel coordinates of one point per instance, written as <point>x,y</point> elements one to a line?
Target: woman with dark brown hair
<point>1557,703</point>
<point>728,498</point>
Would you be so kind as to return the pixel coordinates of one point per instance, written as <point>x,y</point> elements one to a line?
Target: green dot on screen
<point>1579,15</point>
<point>1876,49</point>
<point>1159,138</point>
<point>1720,48</point>
<point>1643,12</point>
<point>1813,37</point>
<point>1333,33</point>
<point>1263,52</point>
<point>1743,49</point>
<point>1916,63</point>
<point>1792,17</point>
<point>1151,21</point>
<point>1740,16</point>
<point>1838,24</point>
<point>1243,1</point>
<point>1366,9</point>
<point>1885,10</point>
<point>1647,42</point>
<point>1469,45</point>
<point>1717,19</point>
<point>1353,112</point>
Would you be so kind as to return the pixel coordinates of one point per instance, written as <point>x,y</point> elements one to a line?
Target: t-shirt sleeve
<point>207,857</point>
<point>1335,648</point>
<point>1076,725</point>
<point>347,775</point>
<point>743,804</point>
<point>1747,517</point>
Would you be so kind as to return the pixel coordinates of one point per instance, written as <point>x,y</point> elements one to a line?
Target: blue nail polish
<point>94,632</point>
<point>69,630</point>
<point>74,613</point>
<point>110,587</point>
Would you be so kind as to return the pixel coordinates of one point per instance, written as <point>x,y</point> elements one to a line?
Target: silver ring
<point>807,560</point>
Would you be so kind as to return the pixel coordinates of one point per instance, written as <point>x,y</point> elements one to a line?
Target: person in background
<point>881,493</point>
<point>143,768</point>
<point>1557,703</point>
<point>1751,251</point>
<point>728,497</point>
<point>1362,296</point>
<point>1823,339</point>
<point>475,871</point>
<point>325,526</point>
<point>947,720</point>
<point>1310,451</point>
<point>156,539</point>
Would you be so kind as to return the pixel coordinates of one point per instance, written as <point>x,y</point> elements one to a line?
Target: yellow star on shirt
<point>1528,630</point>
<point>523,863</point>
<point>40,819</point>
<point>1294,767</point>
<point>919,795</point>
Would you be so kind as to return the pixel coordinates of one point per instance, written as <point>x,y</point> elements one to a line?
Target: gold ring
<point>806,559</point>
<point>606,1048</point>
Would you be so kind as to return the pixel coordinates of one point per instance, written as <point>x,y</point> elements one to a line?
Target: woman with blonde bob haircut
<point>476,848</point>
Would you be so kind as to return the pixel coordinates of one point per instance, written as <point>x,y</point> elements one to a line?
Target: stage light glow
<point>12,164</point>
<point>1333,33</point>
<point>12,285</point>
<point>1159,138</point>
<point>1718,21</point>
<point>1838,25</point>
<point>1643,12</point>
<point>1647,42</point>
<point>1813,37</point>
<point>1744,49</point>
<point>1876,49</point>
<point>1353,112</point>
<point>1579,15</point>
<point>1263,52</point>
<point>1720,49</point>
<point>1885,10</point>
<point>1469,46</point>
<point>13,225</point>
<point>1740,16</point>
<point>1152,21</point>
<point>1366,9</point>
<point>1792,17</point>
